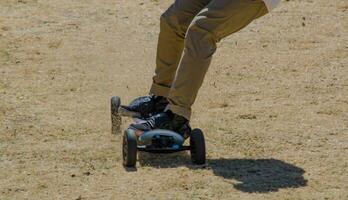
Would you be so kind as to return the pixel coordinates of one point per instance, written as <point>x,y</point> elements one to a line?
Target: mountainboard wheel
<point>116,120</point>
<point>197,147</point>
<point>129,149</point>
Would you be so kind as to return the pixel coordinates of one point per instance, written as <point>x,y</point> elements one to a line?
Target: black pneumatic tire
<point>116,120</point>
<point>197,144</point>
<point>129,148</point>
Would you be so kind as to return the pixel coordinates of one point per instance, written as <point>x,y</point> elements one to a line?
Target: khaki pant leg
<point>173,26</point>
<point>218,19</point>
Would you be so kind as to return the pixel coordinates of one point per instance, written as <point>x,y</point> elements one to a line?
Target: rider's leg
<point>173,26</point>
<point>217,20</point>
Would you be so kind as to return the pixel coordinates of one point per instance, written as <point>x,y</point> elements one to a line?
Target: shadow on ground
<point>253,175</point>
<point>262,175</point>
<point>164,160</point>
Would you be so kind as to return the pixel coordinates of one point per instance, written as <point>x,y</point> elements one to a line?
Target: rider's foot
<point>146,106</point>
<point>165,120</point>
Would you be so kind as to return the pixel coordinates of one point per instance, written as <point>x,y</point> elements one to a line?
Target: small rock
<point>87,173</point>
<point>247,116</point>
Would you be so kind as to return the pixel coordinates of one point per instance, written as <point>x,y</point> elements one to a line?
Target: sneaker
<point>146,106</point>
<point>165,120</point>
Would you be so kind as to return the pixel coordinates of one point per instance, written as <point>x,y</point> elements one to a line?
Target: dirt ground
<point>274,104</point>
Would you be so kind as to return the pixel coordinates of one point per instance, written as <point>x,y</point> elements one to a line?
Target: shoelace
<point>151,122</point>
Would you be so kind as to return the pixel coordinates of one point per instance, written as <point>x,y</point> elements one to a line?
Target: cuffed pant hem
<point>180,111</point>
<point>159,90</point>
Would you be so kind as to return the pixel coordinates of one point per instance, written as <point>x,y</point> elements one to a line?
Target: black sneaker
<point>144,107</point>
<point>165,120</point>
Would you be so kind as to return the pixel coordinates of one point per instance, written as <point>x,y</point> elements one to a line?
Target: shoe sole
<point>126,113</point>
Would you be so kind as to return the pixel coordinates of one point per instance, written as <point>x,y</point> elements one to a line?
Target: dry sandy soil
<point>274,105</point>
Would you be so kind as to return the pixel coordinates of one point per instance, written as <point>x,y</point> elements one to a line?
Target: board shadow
<point>172,160</point>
